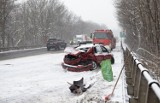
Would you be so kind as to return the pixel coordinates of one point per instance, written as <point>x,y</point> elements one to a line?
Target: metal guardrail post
<point>135,73</point>
<point>152,93</point>
<point>126,57</point>
<point>146,89</point>
<point>131,81</point>
<point>137,79</point>
<point>153,90</point>
<point>128,60</point>
<point>129,72</point>
<point>140,85</point>
<point>143,90</point>
<point>136,87</point>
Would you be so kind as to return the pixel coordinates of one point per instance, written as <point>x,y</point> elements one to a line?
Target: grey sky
<point>99,11</point>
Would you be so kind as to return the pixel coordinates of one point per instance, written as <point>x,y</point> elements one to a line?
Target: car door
<point>105,53</point>
<point>99,54</point>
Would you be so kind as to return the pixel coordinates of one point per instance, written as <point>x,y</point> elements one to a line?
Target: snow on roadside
<point>41,79</point>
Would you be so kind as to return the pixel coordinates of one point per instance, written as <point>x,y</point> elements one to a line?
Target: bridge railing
<point>141,87</point>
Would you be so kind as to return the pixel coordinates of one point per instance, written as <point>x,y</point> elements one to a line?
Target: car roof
<point>87,46</point>
<point>52,39</point>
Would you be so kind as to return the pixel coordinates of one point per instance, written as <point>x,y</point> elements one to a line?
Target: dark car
<point>85,57</point>
<point>56,44</point>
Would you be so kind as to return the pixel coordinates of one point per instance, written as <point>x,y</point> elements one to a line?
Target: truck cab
<point>104,37</point>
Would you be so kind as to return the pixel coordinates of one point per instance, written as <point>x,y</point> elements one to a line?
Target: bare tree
<point>32,22</point>
<point>5,8</point>
<point>141,20</point>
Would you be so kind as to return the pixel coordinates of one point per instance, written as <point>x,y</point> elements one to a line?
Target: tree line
<point>140,19</point>
<point>32,22</point>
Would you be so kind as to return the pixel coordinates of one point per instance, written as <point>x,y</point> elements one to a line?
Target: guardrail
<point>20,47</point>
<point>141,87</point>
<point>21,53</point>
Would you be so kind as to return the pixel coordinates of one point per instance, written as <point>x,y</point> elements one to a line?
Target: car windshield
<point>104,49</point>
<point>79,39</point>
<point>101,35</point>
<point>51,40</point>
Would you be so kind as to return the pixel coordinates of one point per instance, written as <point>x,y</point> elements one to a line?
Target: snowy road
<point>25,52</point>
<point>41,79</point>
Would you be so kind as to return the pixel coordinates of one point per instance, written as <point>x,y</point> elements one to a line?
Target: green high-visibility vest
<point>106,69</point>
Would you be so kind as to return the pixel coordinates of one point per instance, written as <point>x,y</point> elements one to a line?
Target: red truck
<point>104,37</point>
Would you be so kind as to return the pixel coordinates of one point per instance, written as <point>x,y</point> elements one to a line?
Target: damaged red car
<point>85,57</point>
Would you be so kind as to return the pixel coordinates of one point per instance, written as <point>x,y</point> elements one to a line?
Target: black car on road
<point>56,44</point>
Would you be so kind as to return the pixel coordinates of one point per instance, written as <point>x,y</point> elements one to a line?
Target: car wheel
<point>112,60</point>
<point>94,65</point>
<point>48,49</point>
<point>62,47</point>
<point>57,47</point>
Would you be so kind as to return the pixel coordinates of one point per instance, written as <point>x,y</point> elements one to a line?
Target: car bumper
<point>77,68</point>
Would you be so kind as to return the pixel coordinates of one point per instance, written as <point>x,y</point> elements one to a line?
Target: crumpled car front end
<point>77,68</point>
<point>74,62</point>
<point>79,60</point>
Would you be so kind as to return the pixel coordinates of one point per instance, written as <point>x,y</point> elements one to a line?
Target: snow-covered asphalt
<point>41,79</point>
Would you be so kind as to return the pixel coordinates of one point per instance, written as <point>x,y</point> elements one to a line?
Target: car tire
<point>94,65</point>
<point>57,47</point>
<point>62,47</point>
<point>112,60</point>
<point>48,49</point>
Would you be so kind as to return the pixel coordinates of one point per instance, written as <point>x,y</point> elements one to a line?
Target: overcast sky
<point>99,11</point>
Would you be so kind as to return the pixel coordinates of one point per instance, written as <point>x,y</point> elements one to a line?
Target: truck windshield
<point>79,39</point>
<point>102,35</point>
